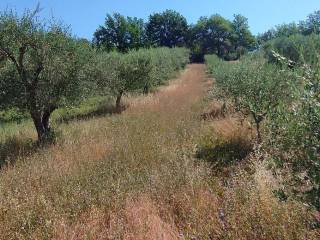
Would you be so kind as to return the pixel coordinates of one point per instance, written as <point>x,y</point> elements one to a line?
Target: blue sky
<point>85,16</point>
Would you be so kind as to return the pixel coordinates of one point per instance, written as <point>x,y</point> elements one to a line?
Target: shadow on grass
<point>14,147</point>
<point>100,111</point>
<point>223,153</point>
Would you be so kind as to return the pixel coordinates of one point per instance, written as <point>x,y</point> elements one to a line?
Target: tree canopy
<point>243,38</point>
<point>168,29</point>
<point>120,33</point>
<point>217,35</point>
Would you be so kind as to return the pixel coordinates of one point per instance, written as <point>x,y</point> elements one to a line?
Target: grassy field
<point>147,174</point>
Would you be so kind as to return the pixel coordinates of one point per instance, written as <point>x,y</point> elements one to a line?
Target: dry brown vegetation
<point>135,176</point>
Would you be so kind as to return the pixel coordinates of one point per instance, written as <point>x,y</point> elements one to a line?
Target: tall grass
<point>134,176</point>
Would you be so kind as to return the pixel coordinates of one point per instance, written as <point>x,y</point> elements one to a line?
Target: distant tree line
<point>210,35</point>
<point>307,27</point>
<point>298,42</point>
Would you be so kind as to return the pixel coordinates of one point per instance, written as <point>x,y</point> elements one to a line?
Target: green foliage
<point>40,68</point>
<point>91,107</point>
<point>243,38</point>
<point>289,102</point>
<point>136,71</point>
<point>295,130</point>
<point>12,115</point>
<point>168,29</point>
<point>282,30</point>
<point>213,35</point>
<point>297,48</point>
<point>166,63</point>
<point>219,36</point>
<point>310,26</point>
<point>120,33</point>
<point>43,68</point>
<point>254,87</point>
<point>287,30</point>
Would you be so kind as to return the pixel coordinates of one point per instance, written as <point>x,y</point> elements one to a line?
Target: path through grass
<point>134,176</point>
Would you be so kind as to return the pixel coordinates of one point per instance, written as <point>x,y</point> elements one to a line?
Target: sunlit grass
<point>135,176</point>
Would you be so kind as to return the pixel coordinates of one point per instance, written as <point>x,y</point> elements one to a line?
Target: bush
<point>12,115</point>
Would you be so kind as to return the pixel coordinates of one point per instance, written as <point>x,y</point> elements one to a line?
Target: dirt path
<point>180,92</point>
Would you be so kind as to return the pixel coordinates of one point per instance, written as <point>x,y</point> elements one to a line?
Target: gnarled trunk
<point>46,117</point>
<point>41,131</point>
<point>41,121</point>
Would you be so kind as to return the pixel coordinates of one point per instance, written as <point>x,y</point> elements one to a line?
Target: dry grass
<point>134,176</point>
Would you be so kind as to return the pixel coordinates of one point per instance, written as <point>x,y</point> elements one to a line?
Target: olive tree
<point>119,74</point>
<point>260,89</point>
<point>39,68</point>
<point>255,88</point>
<point>295,130</point>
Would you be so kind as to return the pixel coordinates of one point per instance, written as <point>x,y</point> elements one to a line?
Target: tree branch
<point>22,51</point>
<point>9,55</point>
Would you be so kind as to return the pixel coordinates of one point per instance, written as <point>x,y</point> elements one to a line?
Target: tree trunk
<point>46,121</point>
<point>118,101</point>
<point>46,118</point>
<point>41,130</point>
<point>41,122</point>
<point>146,89</point>
<point>258,119</point>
